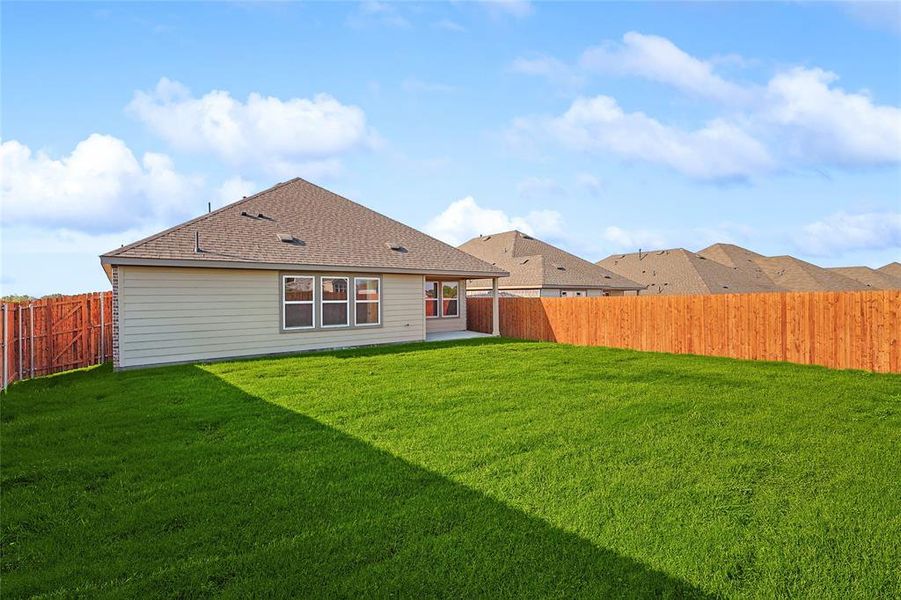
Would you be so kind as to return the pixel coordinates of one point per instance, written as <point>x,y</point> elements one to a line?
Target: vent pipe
<point>197,249</point>
<point>209,207</point>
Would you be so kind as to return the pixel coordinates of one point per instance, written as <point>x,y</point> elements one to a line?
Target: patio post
<point>495,310</point>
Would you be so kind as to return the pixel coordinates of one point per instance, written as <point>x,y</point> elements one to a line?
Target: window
<point>431,299</point>
<point>442,299</point>
<point>367,300</point>
<point>335,301</point>
<point>450,304</point>
<point>298,304</point>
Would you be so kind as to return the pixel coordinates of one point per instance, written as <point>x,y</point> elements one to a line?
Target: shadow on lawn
<point>203,489</point>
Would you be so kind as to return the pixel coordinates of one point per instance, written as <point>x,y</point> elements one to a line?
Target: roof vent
<point>559,267</point>
<point>524,261</point>
<point>289,239</point>
<point>397,247</point>
<point>607,277</point>
<point>527,237</point>
<point>486,238</point>
<point>661,252</point>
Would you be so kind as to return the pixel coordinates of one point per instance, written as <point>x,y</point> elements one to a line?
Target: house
<point>292,268</point>
<point>678,271</point>
<point>873,279</point>
<point>787,272</point>
<point>893,269</point>
<point>537,268</point>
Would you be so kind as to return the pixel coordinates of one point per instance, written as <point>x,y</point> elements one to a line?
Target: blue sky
<point>599,127</point>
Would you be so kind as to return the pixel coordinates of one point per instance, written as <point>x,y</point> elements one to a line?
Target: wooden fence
<point>55,334</point>
<point>844,330</point>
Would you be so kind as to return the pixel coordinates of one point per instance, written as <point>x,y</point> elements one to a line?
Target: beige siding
<point>453,323</point>
<point>186,314</point>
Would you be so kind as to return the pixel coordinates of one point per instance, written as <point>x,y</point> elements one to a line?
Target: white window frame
<point>287,302</point>
<point>441,295</point>
<point>378,302</point>
<point>437,299</point>
<point>346,302</point>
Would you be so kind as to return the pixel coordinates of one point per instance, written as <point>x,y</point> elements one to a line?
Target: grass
<point>485,468</point>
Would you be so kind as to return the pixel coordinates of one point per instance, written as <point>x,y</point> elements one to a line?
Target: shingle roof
<point>872,278</point>
<point>678,271</point>
<point>893,269</point>
<point>787,272</point>
<point>536,264</point>
<point>328,231</point>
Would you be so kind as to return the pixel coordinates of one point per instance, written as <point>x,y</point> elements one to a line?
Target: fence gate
<point>55,334</point>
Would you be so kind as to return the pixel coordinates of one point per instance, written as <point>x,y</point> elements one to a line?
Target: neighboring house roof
<point>872,278</point>
<point>893,269</point>
<point>738,258</point>
<point>536,264</point>
<point>322,229</point>
<point>787,272</point>
<point>678,271</point>
<point>801,276</point>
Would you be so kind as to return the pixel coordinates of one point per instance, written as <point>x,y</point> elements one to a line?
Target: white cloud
<point>843,232</point>
<point>234,189</point>
<point>719,150</point>
<point>555,71</point>
<point>630,240</point>
<point>464,219</point>
<point>100,186</point>
<point>267,132</point>
<point>658,59</point>
<point>828,125</point>
<point>799,118</point>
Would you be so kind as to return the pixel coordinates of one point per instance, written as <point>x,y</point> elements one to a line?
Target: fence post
<point>21,341</point>
<point>5,344</point>
<point>31,338</point>
<point>102,328</point>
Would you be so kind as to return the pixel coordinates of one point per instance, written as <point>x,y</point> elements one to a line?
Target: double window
<point>301,304</point>
<point>442,299</point>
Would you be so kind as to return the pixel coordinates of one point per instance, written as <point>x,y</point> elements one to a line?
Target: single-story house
<point>293,268</point>
<point>537,268</point>
<point>678,271</point>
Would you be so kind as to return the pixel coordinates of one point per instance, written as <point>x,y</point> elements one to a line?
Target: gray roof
<point>533,263</point>
<point>787,272</point>
<point>874,279</point>
<point>323,230</point>
<point>893,269</point>
<point>679,271</point>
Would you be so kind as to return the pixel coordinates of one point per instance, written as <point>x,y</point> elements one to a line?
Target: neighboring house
<point>292,268</point>
<point>538,269</point>
<point>873,279</point>
<point>787,272</point>
<point>678,271</point>
<point>893,269</point>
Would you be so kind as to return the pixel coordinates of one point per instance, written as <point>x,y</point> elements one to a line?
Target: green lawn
<point>486,468</point>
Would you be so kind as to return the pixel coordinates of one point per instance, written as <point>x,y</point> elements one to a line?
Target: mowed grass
<point>488,468</point>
